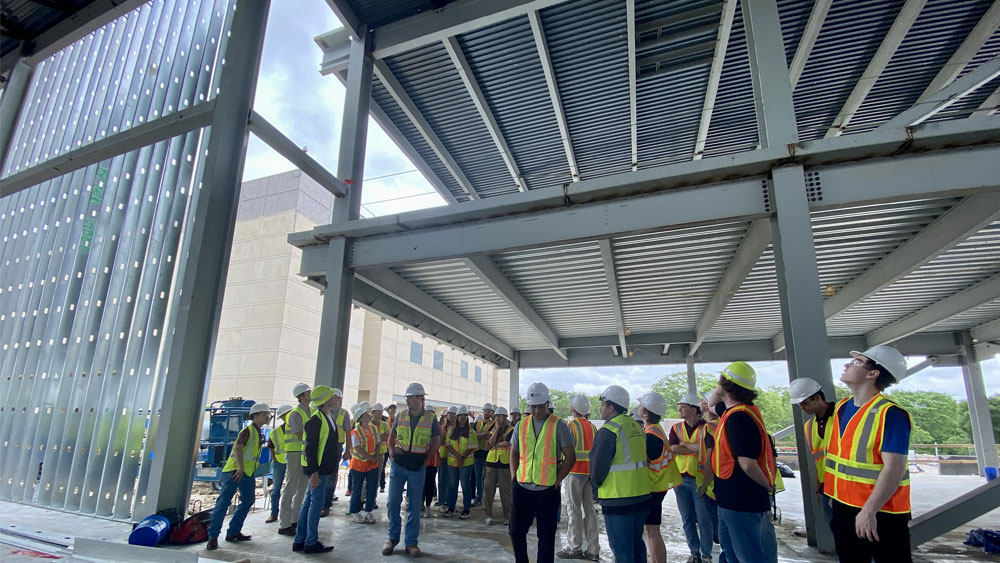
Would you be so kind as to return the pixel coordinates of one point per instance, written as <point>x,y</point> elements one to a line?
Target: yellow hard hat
<point>321,394</point>
<point>740,373</point>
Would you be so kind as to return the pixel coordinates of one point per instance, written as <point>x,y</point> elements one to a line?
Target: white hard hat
<point>538,394</point>
<point>887,357</point>
<point>803,388</point>
<point>378,407</point>
<point>414,390</point>
<point>299,389</point>
<point>489,407</point>
<point>654,403</point>
<point>358,413</point>
<point>259,407</point>
<point>580,404</point>
<point>501,411</point>
<point>453,409</point>
<point>515,410</point>
<point>689,399</point>
<point>617,395</point>
<point>283,409</point>
<point>463,410</point>
<point>365,405</point>
<point>338,393</point>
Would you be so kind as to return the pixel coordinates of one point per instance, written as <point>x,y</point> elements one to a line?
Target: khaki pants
<point>497,476</point>
<point>582,518</point>
<point>295,490</point>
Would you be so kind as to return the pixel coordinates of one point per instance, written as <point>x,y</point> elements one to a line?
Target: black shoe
<point>374,506</point>
<point>335,498</point>
<point>213,544</point>
<point>298,546</point>
<point>238,537</point>
<point>317,548</point>
<point>289,531</point>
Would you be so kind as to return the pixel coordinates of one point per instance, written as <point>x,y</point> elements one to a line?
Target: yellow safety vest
<point>817,445</point>
<point>342,430</point>
<point>484,426</point>
<point>501,454</point>
<point>420,440</point>
<point>251,453</point>
<point>324,435</point>
<point>538,465</point>
<point>280,440</point>
<point>464,445</point>
<point>628,475</point>
<point>297,442</point>
<point>663,472</point>
<point>383,428</point>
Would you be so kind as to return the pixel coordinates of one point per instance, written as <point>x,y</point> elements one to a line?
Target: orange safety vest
<point>367,439</point>
<point>854,459</point>
<point>583,440</point>
<point>663,477</point>
<point>723,461</point>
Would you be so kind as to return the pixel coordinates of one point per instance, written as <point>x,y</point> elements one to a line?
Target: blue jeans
<point>443,482</point>
<point>697,519</point>
<point>245,486</point>
<point>278,479</point>
<point>307,531</point>
<point>358,480</point>
<point>713,512</point>
<point>463,475</point>
<point>479,463</point>
<point>747,537</point>
<point>414,481</point>
<point>625,536</point>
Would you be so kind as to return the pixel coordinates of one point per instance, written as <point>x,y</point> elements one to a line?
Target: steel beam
<point>136,137</point>
<point>10,105</point>
<point>288,149</point>
<point>979,406</point>
<point>755,242</point>
<point>772,92</point>
<point>989,105</point>
<point>455,18</point>
<point>490,274</point>
<point>665,338</point>
<point>204,281</point>
<point>802,319</point>
<point>714,75</point>
<point>968,217</point>
<point>409,108</point>
<point>808,40</point>
<point>893,38</point>
<point>483,107</point>
<point>946,97</point>
<point>395,285</point>
<point>632,37</point>
<point>608,259</point>
<point>962,56</point>
<point>979,294</point>
<point>354,131</point>
<point>954,513</point>
<point>342,9</point>
<point>986,332</point>
<point>553,86</point>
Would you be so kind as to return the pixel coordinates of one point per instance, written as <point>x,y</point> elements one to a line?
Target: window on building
<point>479,373</point>
<point>416,352</point>
<point>438,360</point>
<point>465,369</point>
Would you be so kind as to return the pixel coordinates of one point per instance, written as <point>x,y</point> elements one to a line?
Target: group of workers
<point>719,460</point>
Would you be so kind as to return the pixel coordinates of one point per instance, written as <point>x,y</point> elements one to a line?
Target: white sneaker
<point>369,517</point>
<point>358,518</point>
<point>489,521</point>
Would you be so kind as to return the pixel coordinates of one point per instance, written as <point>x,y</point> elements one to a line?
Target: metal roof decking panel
<point>734,120</point>
<point>937,32</point>
<point>971,318</point>
<point>380,12</point>
<point>433,83</point>
<point>970,262</point>
<point>507,67</point>
<point>849,38</point>
<point>566,286</point>
<point>754,312</point>
<point>964,107</point>
<point>589,50</point>
<point>667,279</point>
<point>391,109</point>
<point>669,111</point>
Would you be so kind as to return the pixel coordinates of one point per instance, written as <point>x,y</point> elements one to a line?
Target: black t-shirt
<point>740,492</point>
<point>654,446</point>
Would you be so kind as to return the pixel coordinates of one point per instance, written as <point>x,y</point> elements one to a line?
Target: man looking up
<point>808,395</point>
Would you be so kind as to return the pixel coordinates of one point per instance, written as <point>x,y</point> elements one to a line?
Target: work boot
<point>413,550</point>
<point>238,537</point>
<point>592,556</point>
<point>213,544</point>
<point>317,548</point>
<point>324,513</point>
<point>388,547</point>
<point>298,546</point>
<point>271,518</point>
<point>569,553</point>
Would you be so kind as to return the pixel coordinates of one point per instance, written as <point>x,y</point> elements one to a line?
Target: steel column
<point>335,324</point>
<point>692,376</point>
<point>514,383</point>
<point>11,103</point>
<point>979,406</point>
<point>204,281</point>
<point>807,349</point>
<point>354,131</point>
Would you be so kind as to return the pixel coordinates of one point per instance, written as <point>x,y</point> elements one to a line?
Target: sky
<point>308,108</point>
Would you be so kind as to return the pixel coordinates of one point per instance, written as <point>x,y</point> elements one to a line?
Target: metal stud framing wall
<point>92,260</point>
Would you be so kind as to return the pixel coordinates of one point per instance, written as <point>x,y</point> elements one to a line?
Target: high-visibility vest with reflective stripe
<point>368,442</point>
<point>723,460</point>
<point>854,457</point>
<point>538,456</point>
<point>296,442</point>
<point>688,463</point>
<point>324,435</point>
<point>628,475</point>
<point>251,453</point>
<point>817,446</point>
<point>501,454</point>
<point>707,429</point>
<point>420,440</point>
<point>342,430</point>
<point>463,445</point>
<point>280,441</point>
<point>583,442</point>
<point>663,472</point>
<point>383,429</point>
<point>484,426</point>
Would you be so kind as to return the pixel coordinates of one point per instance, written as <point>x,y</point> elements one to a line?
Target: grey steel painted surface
<point>979,408</point>
<point>954,513</point>
<point>14,91</point>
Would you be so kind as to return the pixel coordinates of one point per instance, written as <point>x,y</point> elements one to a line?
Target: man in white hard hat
<point>295,444</point>
<point>663,472</point>
<point>618,469</point>
<point>276,442</point>
<point>483,429</point>
<point>342,419</point>
<point>515,415</point>
<point>808,395</point>
<point>238,475</point>
<point>577,490</point>
<point>690,440</point>
<point>866,468</point>
<point>415,433</point>
<point>538,473</point>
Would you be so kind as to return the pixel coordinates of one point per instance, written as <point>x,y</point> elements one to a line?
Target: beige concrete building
<point>269,329</point>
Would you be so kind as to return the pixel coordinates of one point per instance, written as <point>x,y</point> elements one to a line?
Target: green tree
<point>673,386</point>
<point>935,417</point>
<point>965,423</point>
<point>774,405</point>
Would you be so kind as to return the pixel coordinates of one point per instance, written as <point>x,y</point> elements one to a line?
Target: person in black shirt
<point>321,460</point>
